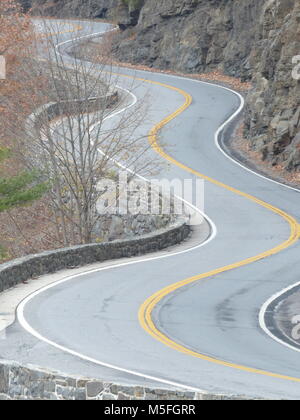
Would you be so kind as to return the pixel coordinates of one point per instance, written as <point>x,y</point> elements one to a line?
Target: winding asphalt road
<point>206,334</point>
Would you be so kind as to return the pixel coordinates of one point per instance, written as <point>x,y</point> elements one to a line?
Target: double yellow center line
<point>146,309</point>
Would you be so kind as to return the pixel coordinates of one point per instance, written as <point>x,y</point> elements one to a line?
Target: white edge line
<point>265,306</point>
<point>95,34</point>
<point>212,225</point>
<point>262,315</point>
<point>217,142</point>
<point>30,330</point>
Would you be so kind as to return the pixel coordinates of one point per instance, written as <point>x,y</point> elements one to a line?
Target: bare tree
<point>82,126</point>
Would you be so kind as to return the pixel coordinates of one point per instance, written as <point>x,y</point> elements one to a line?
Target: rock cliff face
<point>273,107</point>
<point>252,39</point>
<point>77,8</point>
<point>194,35</point>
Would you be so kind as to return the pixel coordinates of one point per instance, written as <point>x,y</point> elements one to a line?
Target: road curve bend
<point>193,318</point>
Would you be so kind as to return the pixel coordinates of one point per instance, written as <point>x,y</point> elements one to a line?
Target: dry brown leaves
<point>214,76</point>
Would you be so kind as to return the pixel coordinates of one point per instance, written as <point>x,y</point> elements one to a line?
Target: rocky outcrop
<point>194,35</point>
<point>252,39</point>
<point>125,12</point>
<point>77,8</point>
<point>273,107</point>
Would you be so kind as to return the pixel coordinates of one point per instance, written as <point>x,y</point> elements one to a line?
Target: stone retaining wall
<point>30,383</point>
<point>53,110</point>
<point>22,269</point>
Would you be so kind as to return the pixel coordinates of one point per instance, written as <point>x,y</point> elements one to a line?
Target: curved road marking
<point>217,143</point>
<point>154,143</point>
<point>212,226</point>
<point>32,331</point>
<point>94,35</point>
<point>148,306</point>
<point>262,316</point>
<point>146,309</point>
<point>76,28</point>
